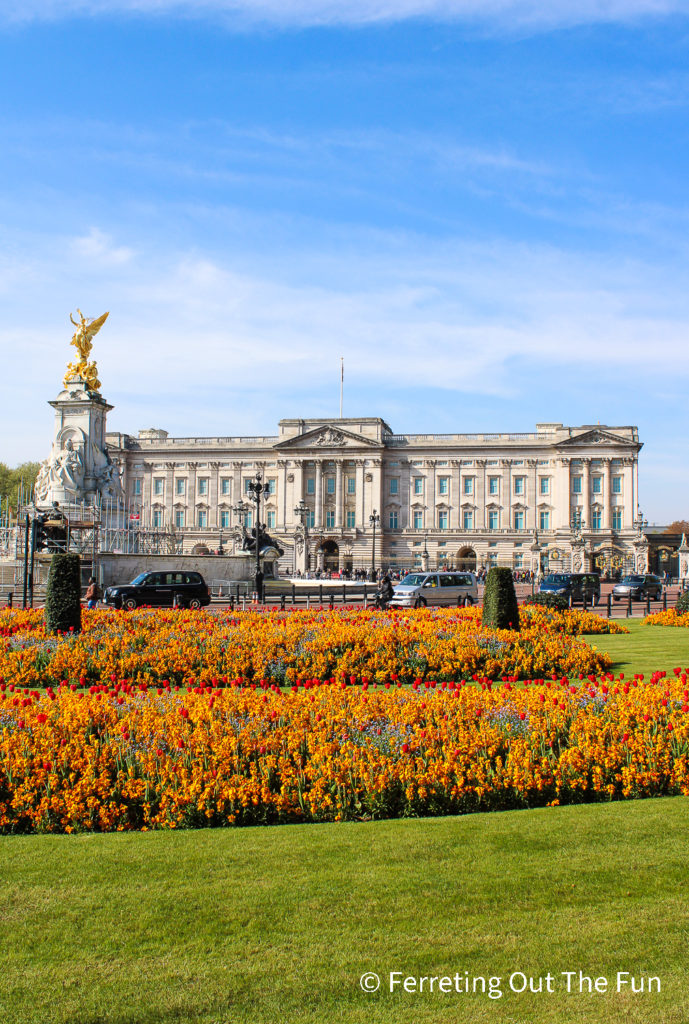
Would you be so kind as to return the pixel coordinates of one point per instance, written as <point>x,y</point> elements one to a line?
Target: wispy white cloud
<point>98,246</point>
<point>300,13</point>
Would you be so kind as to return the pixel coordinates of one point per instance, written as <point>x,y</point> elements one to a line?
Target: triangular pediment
<point>596,436</point>
<point>327,438</point>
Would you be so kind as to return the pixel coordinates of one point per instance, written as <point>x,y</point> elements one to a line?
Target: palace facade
<point>559,497</point>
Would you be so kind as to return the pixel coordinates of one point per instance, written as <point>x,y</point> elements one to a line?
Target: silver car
<point>419,589</point>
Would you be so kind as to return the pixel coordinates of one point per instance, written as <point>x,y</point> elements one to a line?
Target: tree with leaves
<point>11,481</point>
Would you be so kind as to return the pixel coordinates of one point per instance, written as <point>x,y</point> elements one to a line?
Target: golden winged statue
<point>82,339</point>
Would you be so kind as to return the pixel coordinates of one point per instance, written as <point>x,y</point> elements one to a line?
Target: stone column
<point>236,496</point>
<point>169,492</point>
<point>338,495</point>
<point>531,496</point>
<point>319,494</point>
<point>586,492</point>
<point>146,495</point>
<point>359,497</point>
<point>564,490</point>
<point>480,500</point>
<point>429,465</point>
<point>607,496</point>
<point>281,496</point>
<point>506,482</point>
<point>213,514</point>
<point>455,499</point>
<point>191,495</point>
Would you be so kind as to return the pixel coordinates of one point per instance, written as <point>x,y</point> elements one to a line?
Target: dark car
<point>639,585</point>
<point>574,586</point>
<point>160,590</point>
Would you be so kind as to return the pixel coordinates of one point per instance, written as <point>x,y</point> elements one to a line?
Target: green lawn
<point>646,648</point>
<point>276,925</point>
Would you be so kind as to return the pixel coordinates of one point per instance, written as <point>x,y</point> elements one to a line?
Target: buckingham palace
<point>344,493</point>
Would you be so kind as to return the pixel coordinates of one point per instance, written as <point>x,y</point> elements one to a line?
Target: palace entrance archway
<point>331,555</point>
<point>466,559</point>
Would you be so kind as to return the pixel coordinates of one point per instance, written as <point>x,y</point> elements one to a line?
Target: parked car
<point>640,586</point>
<point>576,586</point>
<point>419,589</point>
<point>160,589</point>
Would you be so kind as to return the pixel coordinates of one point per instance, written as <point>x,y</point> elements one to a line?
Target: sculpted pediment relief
<point>327,438</point>
<point>601,437</point>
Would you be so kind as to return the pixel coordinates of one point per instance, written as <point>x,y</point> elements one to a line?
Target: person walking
<point>92,593</point>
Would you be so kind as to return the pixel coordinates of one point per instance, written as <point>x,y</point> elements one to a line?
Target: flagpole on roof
<point>341,383</point>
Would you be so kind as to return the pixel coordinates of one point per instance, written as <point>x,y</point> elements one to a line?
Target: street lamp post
<point>374,520</point>
<point>256,489</point>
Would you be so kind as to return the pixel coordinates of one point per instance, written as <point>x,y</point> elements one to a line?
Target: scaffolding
<point>86,530</point>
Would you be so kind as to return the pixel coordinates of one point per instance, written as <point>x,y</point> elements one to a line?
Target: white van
<point>419,589</point>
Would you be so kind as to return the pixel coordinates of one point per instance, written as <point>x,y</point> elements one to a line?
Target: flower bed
<point>157,646</point>
<point>126,757</point>
<point>671,617</point>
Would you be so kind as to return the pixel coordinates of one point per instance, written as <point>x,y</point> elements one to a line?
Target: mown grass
<point>645,649</point>
<point>276,925</point>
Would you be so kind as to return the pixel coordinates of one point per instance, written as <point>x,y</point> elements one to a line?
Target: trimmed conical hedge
<point>63,594</point>
<point>500,608</point>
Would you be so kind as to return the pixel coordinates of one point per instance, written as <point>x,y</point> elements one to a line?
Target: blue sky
<point>481,206</point>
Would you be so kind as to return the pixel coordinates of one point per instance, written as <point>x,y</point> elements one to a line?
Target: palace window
<point>393,520</point>
<point>136,487</point>
<point>442,520</point>
<point>395,485</point>
<point>311,518</point>
<point>576,485</point>
<point>596,519</point>
<point>468,520</point>
<point>351,485</point>
<point>597,485</point>
<point>180,518</point>
<point>158,485</point>
<point>351,519</point>
<point>330,485</point>
<point>270,485</point>
<point>519,520</point>
<point>519,484</point>
<point>224,518</point>
<point>418,485</point>
<point>310,485</point>
<point>518,560</point>
<point>418,520</point>
<point>544,485</point>
<point>617,485</point>
<point>443,485</point>
<point>203,485</point>
<point>270,519</point>
<point>493,520</point>
<point>202,518</point>
<point>180,487</point>
<point>468,485</point>
<point>544,520</point>
<point>617,519</point>
<point>249,520</point>
<point>494,485</point>
<point>330,519</point>
<point>225,485</point>
<point>157,517</point>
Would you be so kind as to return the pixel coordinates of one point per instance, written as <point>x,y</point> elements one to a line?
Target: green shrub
<point>549,601</point>
<point>683,603</point>
<point>63,594</point>
<point>500,608</point>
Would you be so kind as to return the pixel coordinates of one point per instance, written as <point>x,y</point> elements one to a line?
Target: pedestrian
<point>92,593</point>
